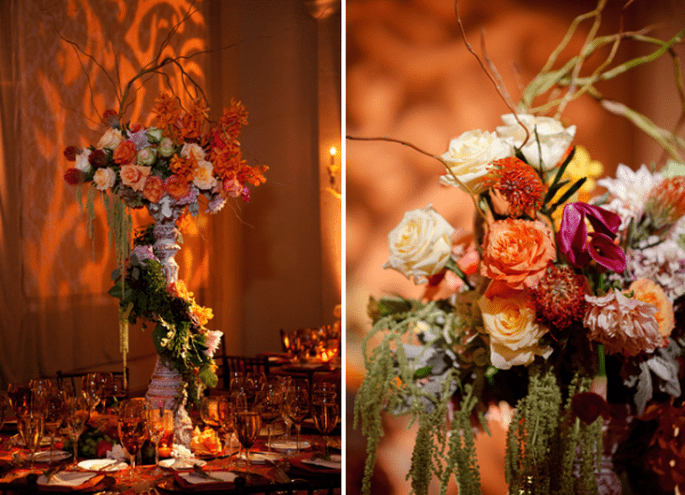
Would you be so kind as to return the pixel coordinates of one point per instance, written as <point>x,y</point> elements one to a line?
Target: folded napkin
<point>70,479</point>
<point>194,481</point>
<point>330,464</point>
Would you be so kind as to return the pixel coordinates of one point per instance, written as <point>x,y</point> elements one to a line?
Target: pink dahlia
<point>623,325</point>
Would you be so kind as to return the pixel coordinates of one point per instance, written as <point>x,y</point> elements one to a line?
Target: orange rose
<point>516,253</point>
<point>176,187</point>
<point>125,153</point>
<point>650,292</point>
<point>134,176</point>
<point>153,189</point>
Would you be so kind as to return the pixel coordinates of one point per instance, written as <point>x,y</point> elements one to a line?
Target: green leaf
<point>157,335</point>
<point>135,273</point>
<point>681,241</point>
<point>555,185</point>
<point>423,372</point>
<point>519,154</point>
<point>208,377</point>
<point>116,274</point>
<point>565,197</point>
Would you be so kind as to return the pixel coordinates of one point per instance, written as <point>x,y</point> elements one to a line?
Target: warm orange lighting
<point>333,151</point>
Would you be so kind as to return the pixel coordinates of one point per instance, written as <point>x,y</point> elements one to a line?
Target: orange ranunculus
<point>153,189</point>
<point>176,187</point>
<point>134,176</point>
<point>125,153</point>
<point>516,253</point>
<point>179,289</point>
<point>201,313</point>
<point>650,292</point>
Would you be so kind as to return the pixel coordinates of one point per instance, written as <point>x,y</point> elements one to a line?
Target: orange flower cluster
<point>184,168</point>
<point>520,185</point>
<point>167,111</point>
<point>666,202</point>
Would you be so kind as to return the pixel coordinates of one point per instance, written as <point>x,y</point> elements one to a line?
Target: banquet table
<point>291,473</point>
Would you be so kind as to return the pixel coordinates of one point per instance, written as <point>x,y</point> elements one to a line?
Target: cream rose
<point>514,333</point>
<point>420,245</point>
<point>134,176</point>
<point>104,178</point>
<point>469,156</point>
<point>146,156</point>
<point>553,136</point>
<point>203,175</point>
<point>82,162</point>
<point>166,147</point>
<point>110,139</point>
<point>194,150</point>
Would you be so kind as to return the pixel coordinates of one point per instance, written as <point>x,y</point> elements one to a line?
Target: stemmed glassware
<point>225,412</point>
<point>159,421</point>
<point>246,422</point>
<point>54,414</point>
<point>325,411</point>
<point>132,426</point>
<point>106,382</point>
<point>210,414</point>
<point>91,386</point>
<point>30,425</point>
<point>297,404</point>
<point>4,408</point>
<point>20,397</point>
<point>269,401</point>
<point>118,390</point>
<point>77,415</point>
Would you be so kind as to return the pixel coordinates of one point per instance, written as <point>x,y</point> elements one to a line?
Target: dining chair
<point>230,364</point>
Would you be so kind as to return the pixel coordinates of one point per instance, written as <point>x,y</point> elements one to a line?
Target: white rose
<point>110,139</point>
<point>469,156</point>
<point>104,178</point>
<point>420,245</point>
<point>553,136</point>
<point>193,149</point>
<point>82,162</point>
<point>203,176</point>
<point>514,332</point>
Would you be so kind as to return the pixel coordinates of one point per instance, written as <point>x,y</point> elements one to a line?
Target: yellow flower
<point>581,166</point>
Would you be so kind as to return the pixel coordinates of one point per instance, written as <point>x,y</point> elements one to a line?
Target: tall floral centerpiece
<point>569,310</point>
<point>178,166</point>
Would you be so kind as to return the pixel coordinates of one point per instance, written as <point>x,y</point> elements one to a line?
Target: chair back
<point>244,364</point>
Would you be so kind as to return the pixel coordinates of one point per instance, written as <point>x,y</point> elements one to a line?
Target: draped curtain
<point>63,64</point>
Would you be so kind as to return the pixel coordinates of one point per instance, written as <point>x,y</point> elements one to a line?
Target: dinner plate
<point>180,464</point>
<point>17,440</point>
<point>75,481</point>
<point>287,445</point>
<point>102,465</point>
<point>44,456</point>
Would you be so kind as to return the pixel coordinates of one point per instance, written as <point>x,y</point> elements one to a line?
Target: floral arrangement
<point>564,308</point>
<point>171,167</point>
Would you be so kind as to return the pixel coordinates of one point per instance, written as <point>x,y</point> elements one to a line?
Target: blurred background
<point>410,77</point>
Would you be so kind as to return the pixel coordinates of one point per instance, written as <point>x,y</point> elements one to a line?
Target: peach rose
<point>203,175</point>
<point>110,139</point>
<point>104,178</point>
<point>153,189</point>
<point>176,188</point>
<point>516,253</point>
<point>125,153</point>
<point>514,332</point>
<point>134,176</point>
<point>650,292</point>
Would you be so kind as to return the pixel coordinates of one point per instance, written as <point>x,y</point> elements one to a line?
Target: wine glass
<point>21,398</point>
<point>54,413</point>
<point>119,390</point>
<point>40,387</point>
<point>269,401</point>
<point>241,387</point>
<point>4,408</point>
<point>209,413</point>
<point>30,426</point>
<point>225,413</point>
<point>106,382</point>
<point>325,411</point>
<point>91,387</point>
<point>77,415</point>
<point>132,426</point>
<point>159,421</point>
<point>246,422</point>
<point>297,404</point>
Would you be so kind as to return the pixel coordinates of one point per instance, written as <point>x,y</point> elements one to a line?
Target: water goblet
<point>91,387</point>
<point>247,423</point>
<point>225,413</point>
<point>21,398</point>
<point>77,415</point>
<point>40,387</point>
<point>54,413</point>
<point>119,390</point>
<point>209,413</point>
<point>30,426</point>
<point>106,382</point>
<point>269,401</point>
<point>297,404</point>
<point>325,411</point>
<point>132,426</point>
<point>160,420</point>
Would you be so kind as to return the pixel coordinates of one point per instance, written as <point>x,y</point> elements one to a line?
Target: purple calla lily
<point>580,247</point>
